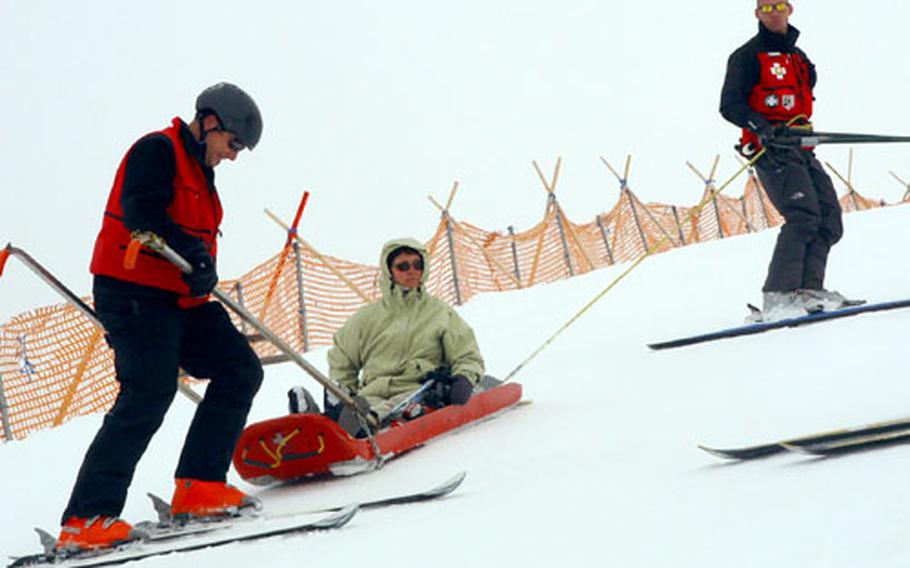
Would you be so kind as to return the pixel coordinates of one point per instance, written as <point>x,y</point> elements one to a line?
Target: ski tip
<point>739,454</point>
<point>457,478</point>
<point>451,484</point>
<point>338,518</point>
<point>716,452</point>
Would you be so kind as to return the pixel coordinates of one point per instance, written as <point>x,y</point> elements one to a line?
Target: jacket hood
<point>385,279</point>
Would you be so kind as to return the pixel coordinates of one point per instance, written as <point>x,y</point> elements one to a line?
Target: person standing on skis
<point>158,319</point>
<point>769,86</point>
<point>386,350</point>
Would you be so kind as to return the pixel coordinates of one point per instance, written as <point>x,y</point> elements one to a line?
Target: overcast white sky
<point>374,105</point>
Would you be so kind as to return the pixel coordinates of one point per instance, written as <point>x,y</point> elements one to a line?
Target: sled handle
<point>132,254</point>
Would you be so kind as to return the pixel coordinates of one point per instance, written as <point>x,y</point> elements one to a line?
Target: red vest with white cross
<point>783,91</point>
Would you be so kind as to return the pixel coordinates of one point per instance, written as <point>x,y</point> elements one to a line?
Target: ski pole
<point>155,243</point>
<point>415,396</point>
<point>70,297</point>
<point>795,138</point>
<point>691,216</point>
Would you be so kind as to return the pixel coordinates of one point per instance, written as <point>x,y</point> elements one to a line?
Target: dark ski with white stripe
<point>823,443</point>
<point>754,328</point>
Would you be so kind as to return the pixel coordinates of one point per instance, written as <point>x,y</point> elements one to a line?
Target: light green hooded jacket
<point>394,342</point>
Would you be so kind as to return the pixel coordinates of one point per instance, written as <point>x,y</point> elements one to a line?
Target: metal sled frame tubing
<point>73,299</point>
<point>155,243</point>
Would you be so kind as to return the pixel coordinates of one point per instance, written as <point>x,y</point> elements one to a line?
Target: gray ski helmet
<point>235,109</point>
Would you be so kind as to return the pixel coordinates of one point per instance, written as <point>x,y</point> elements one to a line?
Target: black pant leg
<point>213,348</point>
<point>785,177</point>
<point>830,230</point>
<point>144,334</point>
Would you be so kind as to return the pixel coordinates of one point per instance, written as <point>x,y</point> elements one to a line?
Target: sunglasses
<point>780,7</point>
<point>405,266</point>
<point>233,143</point>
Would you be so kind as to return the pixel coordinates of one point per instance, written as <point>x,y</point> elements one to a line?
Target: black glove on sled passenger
<point>204,277</point>
<point>460,390</point>
<point>448,389</point>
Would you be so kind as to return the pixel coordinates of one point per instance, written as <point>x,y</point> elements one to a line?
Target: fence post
<point>451,242</point>
<point>4,415</point>
<point>742,201</point>
<point>720,225</point>
<point>603,234</point>
<point>301,305</point>
<point>682,238</point>
<point>562,234</point>
<point>641,233</point>
<point>514,253</point>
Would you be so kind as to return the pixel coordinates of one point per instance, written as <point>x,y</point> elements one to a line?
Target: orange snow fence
<point>55,364</point>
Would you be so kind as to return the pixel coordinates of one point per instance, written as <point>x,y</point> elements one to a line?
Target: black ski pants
<point>803,193</point>
<point>151,337</point>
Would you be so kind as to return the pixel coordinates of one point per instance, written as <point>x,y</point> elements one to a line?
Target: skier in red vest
<point>768,86</point>
<point>158,319</point>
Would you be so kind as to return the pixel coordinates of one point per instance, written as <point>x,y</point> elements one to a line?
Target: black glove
<point>204,277</point>
<point>460,390</point>
<point>769,133</point>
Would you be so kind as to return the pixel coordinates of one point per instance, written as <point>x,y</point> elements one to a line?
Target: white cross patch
<point>778,71</point>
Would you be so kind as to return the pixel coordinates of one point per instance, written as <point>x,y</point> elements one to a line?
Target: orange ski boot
<point>195,498</point>
<point>81,533</point>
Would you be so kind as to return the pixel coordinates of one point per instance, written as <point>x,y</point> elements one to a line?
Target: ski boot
<point>778,306</point>
<point>82,534</point>
<point>830,299</point>
<point>198,499</point>
<point>300,401</point>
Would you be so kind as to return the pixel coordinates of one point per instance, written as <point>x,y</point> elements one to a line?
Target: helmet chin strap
<point>203,133</point>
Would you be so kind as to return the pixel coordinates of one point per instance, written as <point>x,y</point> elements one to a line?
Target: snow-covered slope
<point>602,469</point>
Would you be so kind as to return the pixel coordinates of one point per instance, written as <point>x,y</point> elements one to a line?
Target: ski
<point>164,536</point>
<point>238,532</point>
<point>761,327</point>
<point>830,442</point>
<point>854,444</point>
<point>434,492</point>
<point>166,529</point>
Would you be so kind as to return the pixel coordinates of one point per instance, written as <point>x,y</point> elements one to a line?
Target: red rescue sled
<point>302,445</point>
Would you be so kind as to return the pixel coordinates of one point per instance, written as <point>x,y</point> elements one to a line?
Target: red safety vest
<point>195,208</point>
<point>783,91</point>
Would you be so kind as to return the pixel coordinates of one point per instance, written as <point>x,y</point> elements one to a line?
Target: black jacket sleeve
<point>812,74</point>
<point>742,75</point>
<point>148,190</point>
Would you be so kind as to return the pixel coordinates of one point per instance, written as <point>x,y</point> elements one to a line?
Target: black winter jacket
<point>743,72</point>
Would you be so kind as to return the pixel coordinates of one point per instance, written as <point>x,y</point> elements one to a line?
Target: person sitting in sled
<point>386,351</point>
